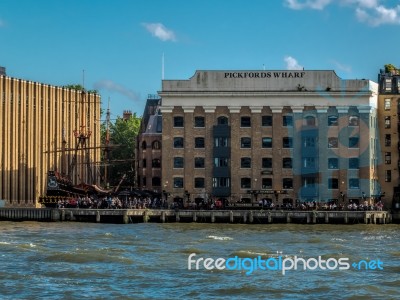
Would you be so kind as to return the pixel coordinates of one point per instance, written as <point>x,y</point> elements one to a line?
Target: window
<point>221,182</point>
<point>221,162</point>
<point>388,140</point>
<point>267,162</point>
<point>178,142</point>
<point>156,163</point>
<point>287,121</point>
<point>245,183</point>
<point>333,183</point>
<point>267,183</point>
<point>221,142</point>
<point>245,162</point>
<point>387,104</point>
<point>156,181</point>
<point>245,142</point>
<point>266,142</point>
<point>333,142</point>
<point>222,121</point>
<point>353,163</point>
<point>199,142</point>
<point>287,183</point>
<point>354,142</point>
<point>287,163</point>
<point>353,120</point>
<point>388,84</point>
<point>266,121</point>
<point>354,183</point>
<point>178,121</point>
<point>245,122</point>
<point>156,145</point>
<point>178,162</point>
<point>144,181</point>
<point>287,142</point>
<point>309,162</point>
<point>144,163</point>
<point>388,175</point>
<point>178,182</point>
<point>199,122</point>
<point>144,145</point>
<point>198,182</point>
<point>199,162</point>
<point>309,142</point>
<point>333,163</point>
<point>308,182</point>
<point>388,158</point>
<point>310,121</point>
<point>387,122</point>
<point>333,120</point>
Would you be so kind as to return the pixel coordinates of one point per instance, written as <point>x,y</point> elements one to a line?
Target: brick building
<point>286,136</point>
<point>389,124</point>
<point>148,147</point>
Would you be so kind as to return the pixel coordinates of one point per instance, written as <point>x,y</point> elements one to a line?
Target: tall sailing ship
<point>70,184</point>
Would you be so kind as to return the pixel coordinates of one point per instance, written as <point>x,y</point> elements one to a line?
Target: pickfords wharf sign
<point>264,74</point>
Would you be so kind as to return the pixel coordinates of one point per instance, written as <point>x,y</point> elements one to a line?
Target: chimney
<point>3,71</point>
<point>127,115</point>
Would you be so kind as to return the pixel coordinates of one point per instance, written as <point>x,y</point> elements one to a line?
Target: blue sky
<point>120,43</point>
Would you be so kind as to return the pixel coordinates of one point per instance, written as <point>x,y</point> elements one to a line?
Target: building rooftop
<point>267,81</point>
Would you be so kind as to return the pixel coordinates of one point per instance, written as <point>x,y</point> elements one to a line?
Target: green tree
<point>122,137</point>
<point>79,87</point>
<point>390,68</point>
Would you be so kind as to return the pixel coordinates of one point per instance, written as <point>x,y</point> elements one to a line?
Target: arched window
<point>222,121</point>
<point>156,145</point>
<point>144,145</point>
<point>156,163</point>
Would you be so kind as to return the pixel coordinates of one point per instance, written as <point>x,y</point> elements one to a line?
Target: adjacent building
<point>287,136</point>
<point>389,124</point>
<point>148,147</point>
<point>35,120</point>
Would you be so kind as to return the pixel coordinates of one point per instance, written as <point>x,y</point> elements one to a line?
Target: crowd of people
<point>112,202</point>
<point>154,202</point>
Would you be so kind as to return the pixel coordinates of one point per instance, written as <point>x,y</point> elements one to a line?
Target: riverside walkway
<point>126,216</point>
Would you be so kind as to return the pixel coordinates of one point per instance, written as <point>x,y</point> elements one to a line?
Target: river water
<point>150,261</point>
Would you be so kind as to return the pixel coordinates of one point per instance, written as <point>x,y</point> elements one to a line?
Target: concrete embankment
<point>126,216</point>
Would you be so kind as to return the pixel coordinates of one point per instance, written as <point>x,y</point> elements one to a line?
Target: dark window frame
<point>179,121</point>
<point>199,122</point>
<point>245,121</point>
<point>266,121</point>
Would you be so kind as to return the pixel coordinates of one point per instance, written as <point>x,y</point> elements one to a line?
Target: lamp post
<point>255,190</point>
<point>342,196</point>
<point>276,197</point>
<point>165,194</point>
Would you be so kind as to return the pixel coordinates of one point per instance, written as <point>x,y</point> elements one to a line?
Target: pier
<point>126,216</point>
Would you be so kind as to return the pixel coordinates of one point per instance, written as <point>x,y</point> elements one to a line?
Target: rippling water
<point>150,261</point>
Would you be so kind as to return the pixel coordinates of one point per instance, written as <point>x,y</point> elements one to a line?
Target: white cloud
<point>379,15</point>
<point>292,64</point>
<point>342,67</point>
<point>114,87</point>
<point>372,12</point>
<point>160,31</point>
<point>313,4</point>
<point>361,3</point>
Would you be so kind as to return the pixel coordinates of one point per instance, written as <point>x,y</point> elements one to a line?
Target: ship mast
<point>107,144</point>
<point>82,135</point>
<point>63,156</point>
